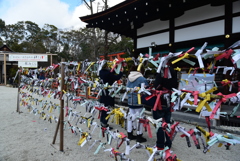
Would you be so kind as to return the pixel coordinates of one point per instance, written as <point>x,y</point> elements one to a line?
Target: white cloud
<point>42,12</point>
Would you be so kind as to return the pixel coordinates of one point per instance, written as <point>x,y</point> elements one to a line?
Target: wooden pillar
<point>51,60</point>
<point>228,23</point>
<point>172,35</point>
<point>5,69</point>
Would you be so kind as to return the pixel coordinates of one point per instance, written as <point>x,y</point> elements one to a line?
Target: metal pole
<point>62,105</point>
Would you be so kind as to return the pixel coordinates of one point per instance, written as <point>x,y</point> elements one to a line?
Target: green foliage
<point>76,45</point>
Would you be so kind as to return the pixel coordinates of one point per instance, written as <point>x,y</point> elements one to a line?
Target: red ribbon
<point>80,80</point>
<point>156,57</point>
<point>207,118</point>
<point>191,132</point>
<point>55,66</point>
<point>168,155</point>
<point>225,55</point>
<point>114,152</point>
<point>103,130</point>
<point>158,93</point>
<point>71,127</point>
<point>166,72</point>
<point>173,129</point>
<point>146,125</point>
<point>223,99</point>
<point>122,136</point>
<point>100,109</point>
<point>57,94</point>
<point>72,86</point>
<point>181,55</point>
<point>225,83</point>
<point>67,109</point>
<point>77,99</point>
<point>195,70</point>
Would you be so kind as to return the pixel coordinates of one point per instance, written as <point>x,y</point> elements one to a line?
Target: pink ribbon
<point>194,93</point>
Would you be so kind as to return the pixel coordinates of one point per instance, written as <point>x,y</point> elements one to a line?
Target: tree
<point>2,29</point>
<point>81,44</point>
<point>33,34</point>
<point>50,37</point>
<point>13,34</point>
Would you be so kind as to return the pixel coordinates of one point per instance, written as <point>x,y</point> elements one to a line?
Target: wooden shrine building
<point>173,25</point>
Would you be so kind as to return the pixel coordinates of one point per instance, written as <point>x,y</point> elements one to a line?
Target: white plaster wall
<point>159,39</point>
<point>198,14</point>
<point>152,26</point>
<point>236,25</point>
<point>200,31</point>
<point>236,6</point>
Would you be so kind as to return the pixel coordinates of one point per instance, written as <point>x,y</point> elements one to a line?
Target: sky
<point>64,14</point>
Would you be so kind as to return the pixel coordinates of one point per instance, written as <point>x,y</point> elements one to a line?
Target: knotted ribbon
<point>158,94</point>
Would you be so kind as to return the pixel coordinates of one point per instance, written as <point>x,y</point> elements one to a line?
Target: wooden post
<point>61,116</point>
<point>19,80</point>
<point>62,106</point>
<point>56,131</point>
<point>51,59</point>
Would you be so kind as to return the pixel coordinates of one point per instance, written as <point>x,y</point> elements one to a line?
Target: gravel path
<point>27,137</point>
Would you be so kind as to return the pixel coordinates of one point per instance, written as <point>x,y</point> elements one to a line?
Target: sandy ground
<point>27,137</point>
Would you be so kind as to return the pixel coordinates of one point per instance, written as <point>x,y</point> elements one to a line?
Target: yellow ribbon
<point>78,68</point>
<point>183,57</point>
<point>186,81</point>
<point>204,73</point>
<point>205,133</point>
<point>178,69</point>
<point>111,113</point>
<point>51,109</point>
<point>204,103</point>
<point>83,138</point>
<point>89,122</point>
<point>150,150</point>
<point>190,69</point>
<point>128,59</point>
<point>89,66</point>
